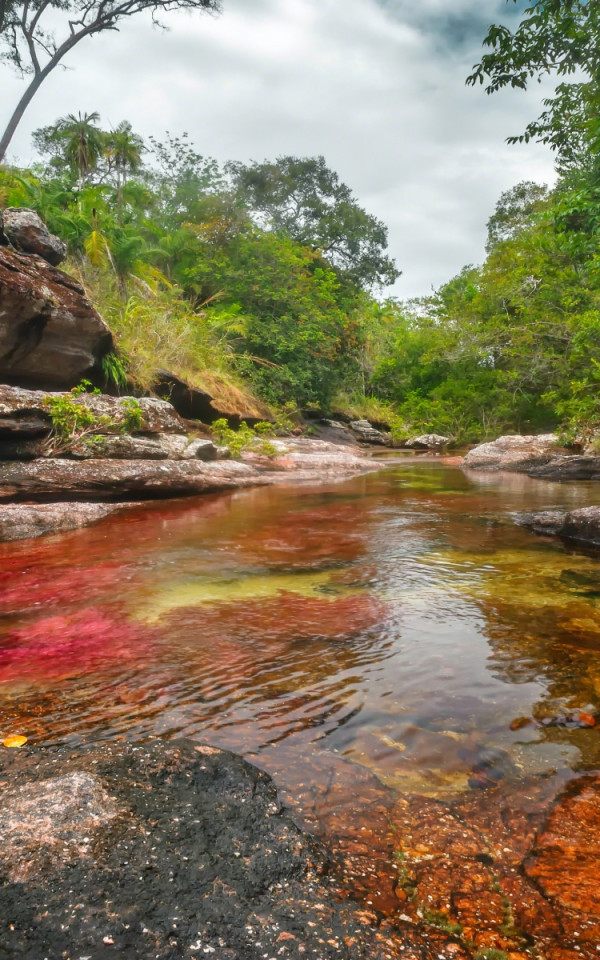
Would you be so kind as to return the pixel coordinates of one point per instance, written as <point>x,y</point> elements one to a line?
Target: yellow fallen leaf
<point>15,741</point>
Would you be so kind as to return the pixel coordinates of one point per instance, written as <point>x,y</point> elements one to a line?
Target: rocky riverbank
<point>540,456</point>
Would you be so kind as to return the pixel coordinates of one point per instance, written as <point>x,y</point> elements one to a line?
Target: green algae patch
<point>205,592</point>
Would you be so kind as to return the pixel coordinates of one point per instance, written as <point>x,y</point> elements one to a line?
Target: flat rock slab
<point>539,456</point>
<point>60,480</point>
<point>164,851</point>
<point>23,521</point>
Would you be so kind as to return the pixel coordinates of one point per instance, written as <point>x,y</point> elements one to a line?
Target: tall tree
<point>36,35</point>
<point>306,200</point>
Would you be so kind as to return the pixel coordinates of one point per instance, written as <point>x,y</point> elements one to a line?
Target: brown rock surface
<point>50,335</point>
<point>515,453</point>
<point>25,230</point>
<point>211,401</point>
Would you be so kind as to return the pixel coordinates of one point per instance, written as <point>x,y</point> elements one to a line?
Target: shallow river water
<point>400,621</point>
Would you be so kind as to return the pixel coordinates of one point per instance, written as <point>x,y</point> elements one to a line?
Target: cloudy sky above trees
<point>376,86</point>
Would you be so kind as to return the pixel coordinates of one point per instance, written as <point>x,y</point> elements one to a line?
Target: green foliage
<point>74,422</point>
<point>114,371</point>
<point>245,438</point>
<point>491,955</point>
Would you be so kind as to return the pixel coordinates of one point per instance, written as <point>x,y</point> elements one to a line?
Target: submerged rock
<point>50,334</point>
<point>164,850</point>
<point>28,233</point>
<point>581,525</point>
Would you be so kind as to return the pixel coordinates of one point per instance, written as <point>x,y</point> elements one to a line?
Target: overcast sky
<point>376,86</point>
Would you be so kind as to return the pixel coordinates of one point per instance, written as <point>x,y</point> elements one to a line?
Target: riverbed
<point>393,635</point>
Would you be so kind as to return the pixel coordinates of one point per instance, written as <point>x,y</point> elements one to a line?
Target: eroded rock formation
<point>50,334</point>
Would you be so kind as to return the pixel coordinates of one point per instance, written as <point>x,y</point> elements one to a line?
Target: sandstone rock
<point>59,480</point>
<point>427,441</point>
<point>334,431</point>
<point>21,521</point>
<point>50,335</point>
<point>201,449</point>
<point>28,233</point>
<point>515,453</point>
<point>366,433</point>
<point>25,412</point>
<point>160,446</point>
<point>213,403</point>
<point>582,525</point>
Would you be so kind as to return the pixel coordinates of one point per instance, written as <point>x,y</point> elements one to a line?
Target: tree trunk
<point>15,120</point>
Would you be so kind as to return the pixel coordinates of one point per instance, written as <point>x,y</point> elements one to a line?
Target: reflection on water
<point>400,621</point>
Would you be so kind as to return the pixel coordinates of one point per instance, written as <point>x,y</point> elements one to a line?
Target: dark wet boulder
<point>333,431</point>
<point>163,850</point>
<point>50,334</point>
<point>575,467</point>
<point>582,525</point>
<point>28,233</point>
<point>365,432</point>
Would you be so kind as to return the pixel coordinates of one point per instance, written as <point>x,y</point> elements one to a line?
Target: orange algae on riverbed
<point>370,644</point>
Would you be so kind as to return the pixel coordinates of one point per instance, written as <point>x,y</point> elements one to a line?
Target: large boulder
<point>50,334</point>
<point>27,233</point>
<point>582,525</point>
<point>519,454</point>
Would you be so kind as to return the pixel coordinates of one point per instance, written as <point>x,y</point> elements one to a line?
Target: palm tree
<point>123,149</point>
<point>83,143</point>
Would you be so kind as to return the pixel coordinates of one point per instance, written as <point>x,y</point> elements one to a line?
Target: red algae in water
<point>287,617</point>
<point>56,585</point>
<point>66,645</point>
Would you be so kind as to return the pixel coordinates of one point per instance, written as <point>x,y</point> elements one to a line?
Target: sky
<point>375,86</point>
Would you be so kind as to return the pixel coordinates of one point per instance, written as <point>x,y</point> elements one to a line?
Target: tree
<point>305,200</point>
<point>36,35</point>
<point>554,37</point>
<point>515,211</point>
<point>76,141</point>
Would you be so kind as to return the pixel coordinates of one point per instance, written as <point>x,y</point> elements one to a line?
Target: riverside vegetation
<point>268,279</point>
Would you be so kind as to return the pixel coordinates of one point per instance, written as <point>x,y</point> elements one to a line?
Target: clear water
<point>400,620</point>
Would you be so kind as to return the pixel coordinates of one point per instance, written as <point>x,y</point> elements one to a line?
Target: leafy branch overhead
<point>559,38</point>
<point>36,35</point>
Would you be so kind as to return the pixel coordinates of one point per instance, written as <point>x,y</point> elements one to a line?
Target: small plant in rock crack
<point>75,422</point>
<point>245,438</point>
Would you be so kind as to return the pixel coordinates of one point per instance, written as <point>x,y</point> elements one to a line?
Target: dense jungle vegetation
<point>270,276</point>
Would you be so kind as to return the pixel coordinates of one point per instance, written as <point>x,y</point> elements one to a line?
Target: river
<point>399,627</point>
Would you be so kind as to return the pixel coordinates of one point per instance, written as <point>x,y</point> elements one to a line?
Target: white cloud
<point>377,87</point>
